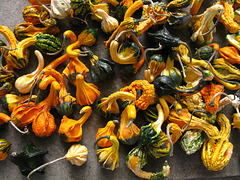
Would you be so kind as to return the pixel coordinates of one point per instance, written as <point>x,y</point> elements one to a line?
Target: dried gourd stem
<point>85,19</point>
<point>133,35</point>
<point>220,14</point>
<point>42,166</point>
<point>211,58</point>
<point>64,96</point>
<point>234,104</point>
<point>130,123</point>
<point>115,121</point>
<point>86,52</point>
<point>153,10</point>
<point>31,92</point>
<point>186,126</point>
<point>170,140</point>
<point>151,49</point>
<point>60,50</point>
<point>50,13</point>
<point>175,104</point>
<point>180,61</point>
<point>1,58</point>
<point>25,131</point>
<point>212,104</point>
<point>227,81</point>
<point>102,137</point>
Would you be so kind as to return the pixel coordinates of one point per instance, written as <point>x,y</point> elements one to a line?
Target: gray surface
<point>182,165</point>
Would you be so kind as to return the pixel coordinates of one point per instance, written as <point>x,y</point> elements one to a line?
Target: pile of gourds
<point>179,96</point>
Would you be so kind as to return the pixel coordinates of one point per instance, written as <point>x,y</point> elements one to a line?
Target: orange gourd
<point>38,114</point>
<point>70,130</point>
<point>230,54</point>
<point>108,130</point>
<point>128,134</point>
<point>86,93</point>
<point>208,92</point>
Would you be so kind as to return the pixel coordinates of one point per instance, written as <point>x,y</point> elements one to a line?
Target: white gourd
<point>24,83</point>
<point>109,23</point>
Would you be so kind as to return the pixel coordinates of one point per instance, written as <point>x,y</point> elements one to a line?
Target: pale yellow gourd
<point>24,83</point>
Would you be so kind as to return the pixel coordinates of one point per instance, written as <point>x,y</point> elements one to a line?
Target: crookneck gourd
<point>108,157</point>
<point>70,130</point>
<point>218,76</point>
<point>227,17</point>
<point>25,83</point>
<point>128,133</point>
<point>203,26</point>
<point>86,38</point>
<point>137,158</point>
<point>109,106</point>
<point>65,101</point>
<point>196,123</point>
<point>151,133</point>
<point>217,151</point>
<point>38,114</point>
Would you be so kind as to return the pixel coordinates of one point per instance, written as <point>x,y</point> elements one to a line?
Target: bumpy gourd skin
<point>148,91</point>
<point>217,151</point>
<point>191,141</point>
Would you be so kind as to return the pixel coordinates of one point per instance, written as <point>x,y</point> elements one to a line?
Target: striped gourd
<point>80,7</point>
<point>47,43</point>
<point>4,148</point>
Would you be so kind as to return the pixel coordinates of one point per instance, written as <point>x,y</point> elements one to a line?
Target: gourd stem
<point>85,19</point>
<point>211,58</point>
<point>102,137</point>
<point>31,92</point>
<point>15,127</point>
<point>1,58</point>
<point>212,104</point>
<point>186,126</point>
<point>42,166</point>
<point>151,49</point>
<point>179,111</point>
<point>60,50</point>
<point>130,123</point>
<point>115,121</point>
<point>132,33</point>
<point>214,24</point>
<point>180,61</point>
<point>170,140</point>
